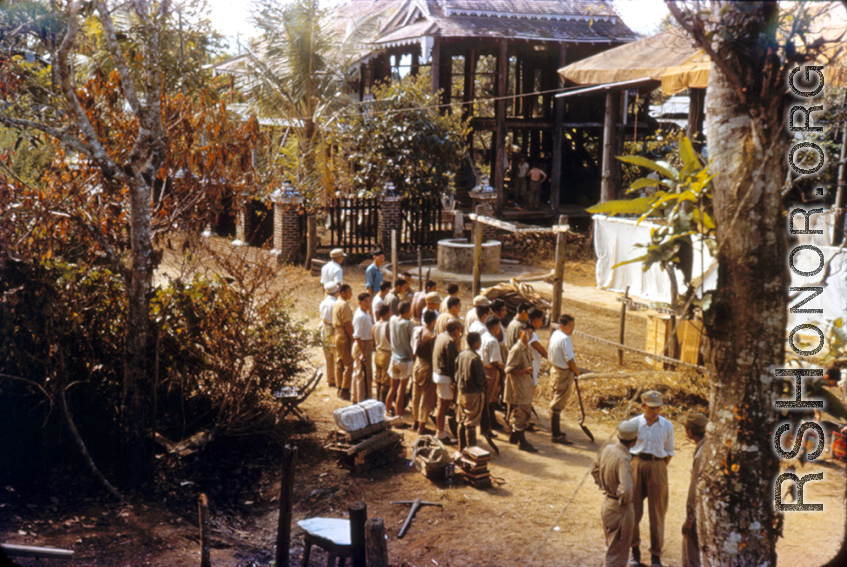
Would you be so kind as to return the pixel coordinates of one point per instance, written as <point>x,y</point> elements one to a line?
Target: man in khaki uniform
<point>563,374</point>
<point>695,429</point>
<point>520,389</point>
<point>342,322</point>
<point>613,474</point>
<point>424,398</point>
<point>328,331</point>
<point>471,383</point>
<point>363,348</point>
<point>650,458</point>
<point>513,331</point>
<point>382,353</point>
<point>454,306</point>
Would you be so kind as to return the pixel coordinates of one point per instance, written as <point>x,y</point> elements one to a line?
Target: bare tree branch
<point>127,82</point>
<point>695,27</point>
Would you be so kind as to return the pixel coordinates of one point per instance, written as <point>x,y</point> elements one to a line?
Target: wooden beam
<point>477,249</point>
<point>503,225</point>
<point>558,135</point>
<point>608,191</point>
<point>500,114</point>
<point>559,269</point>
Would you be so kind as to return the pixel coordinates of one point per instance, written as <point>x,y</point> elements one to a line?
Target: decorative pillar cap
<point>484,190</point>
<point>287,194</point>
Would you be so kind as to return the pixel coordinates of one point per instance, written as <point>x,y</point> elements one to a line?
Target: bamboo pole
<point>420,270</point>
<point>395,264</point>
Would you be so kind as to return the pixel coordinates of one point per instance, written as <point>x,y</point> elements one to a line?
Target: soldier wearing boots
<point>519,388</point>
<point>382,353</point>
<point>444,356</point>
<point>613,474</point>
<point>471,382</point>
<point>563,372</point>
<point>492,360</point>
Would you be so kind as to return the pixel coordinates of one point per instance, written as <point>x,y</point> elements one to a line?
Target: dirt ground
<point>544,509</point>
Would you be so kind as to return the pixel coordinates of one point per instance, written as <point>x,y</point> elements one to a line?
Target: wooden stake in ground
<point>286,491</point>
<point>420,270</point>
<point>376,543</point>
<point>311,239</point>
<point>358,517</point>
<point>559,272</point>
<point>623,324</point>
<point>477,250</point>
<point>203,505</point>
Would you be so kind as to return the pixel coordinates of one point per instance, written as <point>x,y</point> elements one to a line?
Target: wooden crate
<point>658,331</point>
<point>690,335</point>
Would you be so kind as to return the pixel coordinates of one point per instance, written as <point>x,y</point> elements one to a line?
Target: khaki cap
<point>652,399</point>
<point>331,287</point>
<point>695,421</point>
<point>335,252</point>
<point>481,301</point>
<point>433,297</point>
<point>628,430</point>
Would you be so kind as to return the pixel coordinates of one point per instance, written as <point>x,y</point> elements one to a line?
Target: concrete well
<point>456,255</point>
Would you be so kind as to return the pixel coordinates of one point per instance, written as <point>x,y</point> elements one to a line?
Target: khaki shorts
<point>401,370</point>
<point>445,391</point>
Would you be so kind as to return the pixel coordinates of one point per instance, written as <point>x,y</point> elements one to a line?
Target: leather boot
<point>463,437</point>
<point>524,444</point>
<point>513,438</point>
<point>492,418</point>
<point>471,433</point>
<point>557,435</point>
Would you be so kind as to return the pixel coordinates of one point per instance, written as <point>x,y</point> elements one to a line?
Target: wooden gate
<point>423,223</point>
<point>352,224</point>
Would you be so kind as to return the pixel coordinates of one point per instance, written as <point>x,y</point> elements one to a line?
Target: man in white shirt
<point>478,301</point>
<point>536,317</point>
<point>327,331</point>
<point>332,272</point>
<point>379,299</point>
<point>650,458</point>
<point>563,373</point>
<point>481,313</point>
<point>492,361</point>
<point>363,347</point>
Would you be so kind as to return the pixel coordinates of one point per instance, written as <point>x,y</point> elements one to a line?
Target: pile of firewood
<point>539,245</point>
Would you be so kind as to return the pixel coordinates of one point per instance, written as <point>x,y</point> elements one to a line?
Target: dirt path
<point>500,527</point>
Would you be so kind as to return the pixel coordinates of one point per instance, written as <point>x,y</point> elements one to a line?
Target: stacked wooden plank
<point>474,466</point>
<point>370,445</point>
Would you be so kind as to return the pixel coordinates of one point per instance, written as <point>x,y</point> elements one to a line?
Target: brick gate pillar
<point>390,216</point>
<point>286,202</point>
<point>242,231</point>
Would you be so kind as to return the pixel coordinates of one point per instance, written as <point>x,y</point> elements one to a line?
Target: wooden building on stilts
<point>499,59</point>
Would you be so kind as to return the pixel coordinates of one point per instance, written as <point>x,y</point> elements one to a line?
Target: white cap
<point>331,287</point>
<point>628,430</point>
<point>336,252</point>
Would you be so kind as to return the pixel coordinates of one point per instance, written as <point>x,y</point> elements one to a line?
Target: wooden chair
<point>292,396</point>
<point>330,534</point>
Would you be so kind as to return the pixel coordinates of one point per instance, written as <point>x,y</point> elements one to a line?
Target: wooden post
<point>558,136</point>
<point>558,275</point>
<point>500,158</point>
<point>435,67</point>
<point>608,191</point>
<point>286,491</point>
<point>311,240</point>
<point>477,250</point>
<point>203,505</point>
<point>376,543</point>
<point>358,517</point>
<point>395,266</point>
<point>420,270</point>
<point>841,191</point>
<point>623,325</point>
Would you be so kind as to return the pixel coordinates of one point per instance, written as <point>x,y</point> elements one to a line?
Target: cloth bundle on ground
<point>513,293</point>
<point>358,416</point>
<point>431,456</point>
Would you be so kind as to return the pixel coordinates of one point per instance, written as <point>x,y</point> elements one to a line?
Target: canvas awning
<point>671,58</point>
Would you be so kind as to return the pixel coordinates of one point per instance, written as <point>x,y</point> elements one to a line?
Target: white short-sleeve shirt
<point>478,327</point>
<point>561,349</point>
<point>326,309</point>
<point>489,351</point>
<point>536,358</point>
<point>656,439</point>
<point>362,325</point>
<point>377,302</point>
<point>332,272</point>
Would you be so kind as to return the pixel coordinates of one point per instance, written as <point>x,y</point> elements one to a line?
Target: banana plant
<point>681,207</point>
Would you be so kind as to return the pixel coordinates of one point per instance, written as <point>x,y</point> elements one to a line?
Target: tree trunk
<point>137,447</point>
<point>746,329</point>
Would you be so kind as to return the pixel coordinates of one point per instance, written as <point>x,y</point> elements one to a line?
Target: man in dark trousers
<point>695,430</point>
<point>471,382</point>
